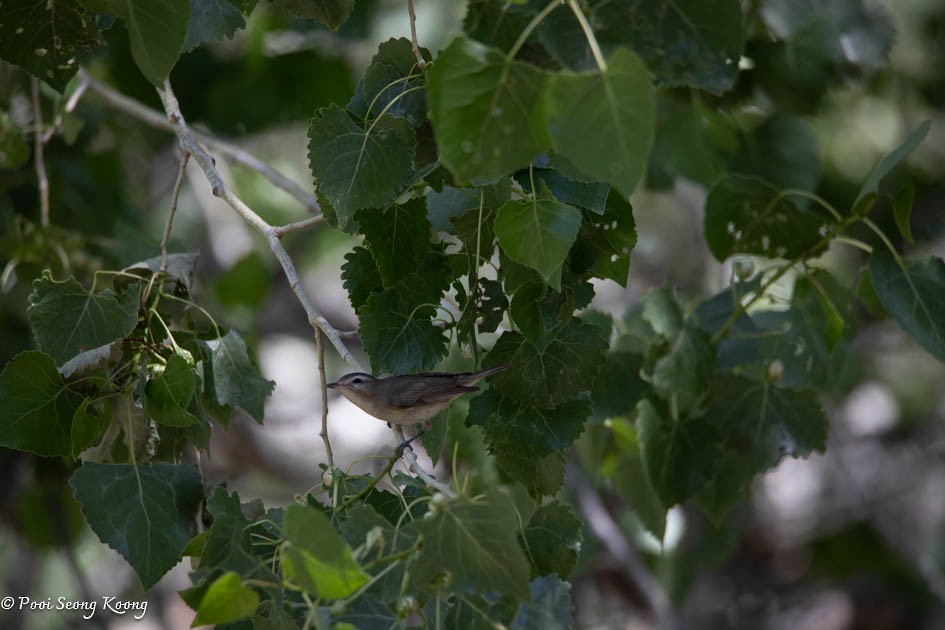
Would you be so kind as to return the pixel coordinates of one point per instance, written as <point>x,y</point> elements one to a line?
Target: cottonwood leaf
<point>590,195</point>
<point>66,319</point>
<point>145,513</point>
<point>226,600</point>
<point>357,167</point>
<point>235,380</point>
<point>623,465</point>
<point>683,42</point>
<point>157,30</point>
<point>611,138</point>
<point>317,558</point>
<point>331,13</point>
<point>36,408</point>
<point>50,40</point>
<point>746,215</point>
<point>549,608</point>
<point>782,150</point>
<point>888,163</point>
<point>361,276</point>
<point>680,454</point>
<point>914,295</point>
<point>902,211</point>
<point>538,233</point>
<point>683,370</point>
<point>509,427</point>
<point>761,424</point>
<point>398,238</point>
<point>476,542</point>
<point>168,395</point>
<point>551,539</point>
<point>604,244</point>
<point>487,110</point>
<point>87,427</point>
<point>211,19</point>
<point>392,83</point>
<point>401,339</point>
<point>550,375</point>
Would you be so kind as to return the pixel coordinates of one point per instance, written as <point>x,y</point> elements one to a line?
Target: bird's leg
<point>403,445</point>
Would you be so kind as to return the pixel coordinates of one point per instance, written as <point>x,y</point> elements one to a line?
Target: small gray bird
<point>411,398</point>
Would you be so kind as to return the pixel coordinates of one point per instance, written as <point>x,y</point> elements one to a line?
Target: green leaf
<point>538,233</point>
<point>226,600</point>
<point>602,122</point>
<point>782,150</point>
<point>590,195</point>
<point>604,243</point>
<point>683,42</point>
<point>331,13</point>
<point>235,381</point>
<point>145,513</point>
<point>229,546</point>
<point>538,310</point>
<point>476,542</point>
<point>400,339</point>
<point>50,40</point>
<point>486,109</point>
<point>914,296</point>
<point>619,386</point>
<point>211,19</point>
<point>624,467</point>
<point>398,238</point>
<point>889,162</point>
<point>681,372</point>
<point>680,454</point>
<point>13,150</point>
<point>902,211</point>
<point>316,557</point>
<point>550,375</point>
<point>662,312</point>
<point>168,395</point>
<point>157,30</point>
<point>761,424</point>
<point>359,168</point>
<point>87,427</point>
<point>746,215</point>
<point>66,319</point>
<point>550,608</point>
<point>686,142</point>
<point>361,277</point>
<point>392,83</point>
<point>36,409</point>
<point>511,429</point>
<point>551,539</point>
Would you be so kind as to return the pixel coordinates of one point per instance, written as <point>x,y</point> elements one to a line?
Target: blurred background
<point>851,539</point>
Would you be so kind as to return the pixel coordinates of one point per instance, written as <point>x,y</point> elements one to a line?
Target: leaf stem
<point>523,37</point>
<point>589,36</point>
<point>40,162</point>
<point>320,347</point>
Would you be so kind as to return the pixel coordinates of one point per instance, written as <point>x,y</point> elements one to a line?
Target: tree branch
<point>421,63</point>
<point>157,120</point>
<point>609,533</point>
<point>189,144</point>
<point>42,180</point>
<point>181,172</point>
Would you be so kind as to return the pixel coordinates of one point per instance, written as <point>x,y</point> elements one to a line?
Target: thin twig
<point>323,386</point>
<point>156,119</point>
<point>282,230</point>
<point>182,171</point>
<point>421,63</point>
<point>414,466</point>
<point>42,180</point>
<point>609,533</point>
<point>189,144</point>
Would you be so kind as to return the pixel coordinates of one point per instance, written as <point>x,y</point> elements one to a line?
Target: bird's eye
<point>356,381</point>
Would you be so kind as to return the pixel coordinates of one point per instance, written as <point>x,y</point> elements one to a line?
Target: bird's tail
<point>472,377</point>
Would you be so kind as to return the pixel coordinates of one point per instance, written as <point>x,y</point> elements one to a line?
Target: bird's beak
<point>331,385</point>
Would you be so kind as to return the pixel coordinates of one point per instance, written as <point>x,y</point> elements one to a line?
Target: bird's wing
<point>432,389</point>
